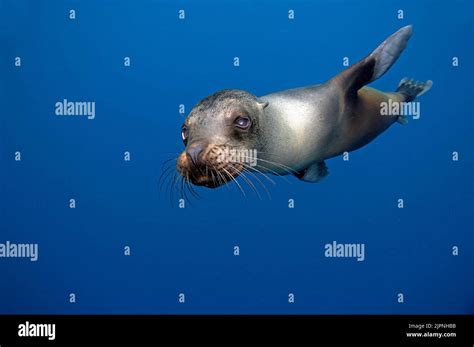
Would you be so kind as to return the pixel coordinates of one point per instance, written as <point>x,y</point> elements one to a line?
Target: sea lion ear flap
<point>262,103</point>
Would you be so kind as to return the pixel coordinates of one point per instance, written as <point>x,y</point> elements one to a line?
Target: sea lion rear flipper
<point>411,89</point>
<point>314,173</point>
<point>376,64</point>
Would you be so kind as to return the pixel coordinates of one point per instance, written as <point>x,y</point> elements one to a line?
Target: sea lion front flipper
<point>314,173</point>
<point>374,65</point>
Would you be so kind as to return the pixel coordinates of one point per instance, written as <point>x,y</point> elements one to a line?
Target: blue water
<point>190,250</point>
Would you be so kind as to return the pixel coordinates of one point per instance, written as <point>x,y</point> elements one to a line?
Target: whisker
<point>183,190</point>
<point>188,188</point>
<point>259,181</point>
<point>192,190</point>
<point>286,168</point>
<point>224,181</point>
<point>175,187</point>
<point>247,180</point>
<point>213,178</point>
<point>260,172</point>
<point>164,177</point>
<point>227,179</point>
<point>233,178</point>
<point>280,165</point>
<point>272,171</point>
<point>219,178</point>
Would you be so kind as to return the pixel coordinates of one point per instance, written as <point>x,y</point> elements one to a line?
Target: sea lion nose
<point>194,152</point>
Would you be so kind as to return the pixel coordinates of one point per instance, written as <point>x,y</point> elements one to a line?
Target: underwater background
<point>190,251</point>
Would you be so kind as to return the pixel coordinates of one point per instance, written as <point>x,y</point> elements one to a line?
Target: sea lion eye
<point>242,122</point>
<point>184,134</point>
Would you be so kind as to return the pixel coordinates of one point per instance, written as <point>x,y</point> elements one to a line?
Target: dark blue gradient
<point>190,250</point>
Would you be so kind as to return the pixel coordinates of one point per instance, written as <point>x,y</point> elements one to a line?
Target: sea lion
<point>293,131</point>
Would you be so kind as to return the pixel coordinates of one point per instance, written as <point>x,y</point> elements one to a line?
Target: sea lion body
<point>294,131</point>
<point>314,123</point>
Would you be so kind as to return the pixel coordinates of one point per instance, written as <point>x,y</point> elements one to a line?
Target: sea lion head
<point>221,137</point>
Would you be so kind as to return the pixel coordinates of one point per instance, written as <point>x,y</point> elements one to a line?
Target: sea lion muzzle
<point>204,165</point>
